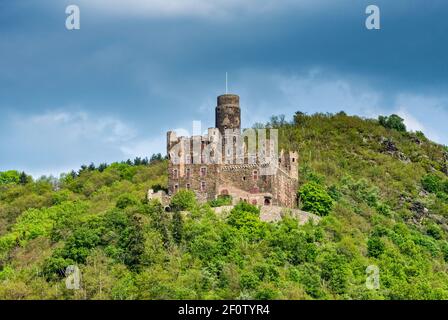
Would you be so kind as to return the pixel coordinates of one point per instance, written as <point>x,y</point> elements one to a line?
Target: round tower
<point>228,113</point>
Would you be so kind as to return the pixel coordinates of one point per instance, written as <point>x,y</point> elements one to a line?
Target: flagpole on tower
<point>227,88</point>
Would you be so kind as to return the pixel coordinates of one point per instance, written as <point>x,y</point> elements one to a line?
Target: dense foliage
<point>392,122</point>
<point>315,199</point>
<point>381,192</point>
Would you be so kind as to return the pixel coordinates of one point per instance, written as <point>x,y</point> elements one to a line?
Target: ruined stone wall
<point>246,177</point>
<point>285,189</point>
<point>190,176</point>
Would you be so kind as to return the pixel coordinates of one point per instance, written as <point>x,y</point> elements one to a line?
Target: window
<point>254,202</point>
<point>176,187</point>
<point>188,186</point>
<point>187,173</point>
<point>188,159</point>
<point>293,160</point>
<point>203,171</point>
<point>203,186</point>
<point>175,175</point>
<point>255,175</point>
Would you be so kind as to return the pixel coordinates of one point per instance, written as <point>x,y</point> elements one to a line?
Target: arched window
<point>255,175</point>
<point>254,202</point>
<point>175,174</point>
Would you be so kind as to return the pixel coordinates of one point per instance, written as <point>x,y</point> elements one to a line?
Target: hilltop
<point>381,192</point>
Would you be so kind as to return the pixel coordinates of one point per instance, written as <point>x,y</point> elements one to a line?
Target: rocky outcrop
<point>419,210</point>
<point>389,147</point>
<point>445,163</point>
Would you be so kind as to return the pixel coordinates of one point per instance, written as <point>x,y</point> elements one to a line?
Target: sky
<point>138,68</point>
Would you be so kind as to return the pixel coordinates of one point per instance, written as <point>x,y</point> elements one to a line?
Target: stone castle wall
<point>244,181</point>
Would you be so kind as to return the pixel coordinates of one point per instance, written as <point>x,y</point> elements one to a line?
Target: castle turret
<point>228,113</point>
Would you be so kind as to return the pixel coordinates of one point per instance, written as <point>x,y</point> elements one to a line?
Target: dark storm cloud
<point>152,67</point>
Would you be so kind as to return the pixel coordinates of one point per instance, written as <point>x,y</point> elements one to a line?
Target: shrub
<point>309,278</point>
<point>245,218</point>
<point>221,201</point>
<point>56,265</point>
<point>11,176</point>
<point>334,193</point>
<point>375,247</point>
<point>183,200</point>
<point>315,199</point>
<point>445,186</point>
<point>335,271</point>
<point>126,200</point>
<point>383,208</point>
<point>434,231</point>
<point>177,227</point>
<point>432,183</point>
<point>249,281</point>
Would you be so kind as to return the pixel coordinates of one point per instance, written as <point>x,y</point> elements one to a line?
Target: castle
<point>223,162</point>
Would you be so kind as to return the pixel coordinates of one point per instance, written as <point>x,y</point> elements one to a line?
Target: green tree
<point>23,178</point>
<point>392,122</point>
<point>11,176</point>
<point>314,198</point>
<point>246,218</point>
<point>126,200</point>
<point>183,200</point>
<point>178,226</point>
<point>335,270</point>
<point>432,183</point>
<point>375,247</point>
<point>132,243</point>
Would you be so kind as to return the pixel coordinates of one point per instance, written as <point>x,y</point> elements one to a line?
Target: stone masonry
<point>243,178</point>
